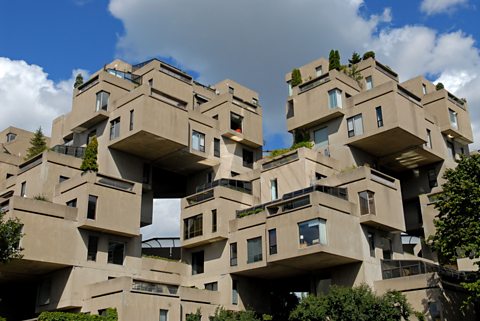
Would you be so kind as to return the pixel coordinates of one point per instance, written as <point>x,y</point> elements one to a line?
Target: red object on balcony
<point>238,130</point>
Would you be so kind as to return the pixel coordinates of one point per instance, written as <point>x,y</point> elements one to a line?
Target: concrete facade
<point>356,208</point>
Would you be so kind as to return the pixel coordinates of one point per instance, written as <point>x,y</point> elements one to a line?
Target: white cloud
<point>166,219</point>
<point>431,7</point>
<point>28,99</point>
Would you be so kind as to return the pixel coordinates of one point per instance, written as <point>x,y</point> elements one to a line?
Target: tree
<point>355,58</point>
<point>439,86</point>
<point>369,54</point>
<point>78,81</point>
<point>351,304</point>
<point>457,225</point>
<point>225,315</point>
<point>89,162</point>
<point>197,316</point>
<point>334,60</point>
<point>38,144</point>
<point>10,235</point>
<point>296,77</point>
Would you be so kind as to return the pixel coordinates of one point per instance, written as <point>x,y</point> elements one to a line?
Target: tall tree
<point>78,81</point>
<point>334,60</point>
<point>458,222</point>
<point>38,144</point>
<point>10,235</point>
<point>89,162</point>
<point>356,58</point>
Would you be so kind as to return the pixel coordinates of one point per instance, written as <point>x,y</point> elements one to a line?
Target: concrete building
<point>356,208</point>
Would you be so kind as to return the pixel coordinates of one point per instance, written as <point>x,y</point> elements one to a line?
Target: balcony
<point>78,152</point>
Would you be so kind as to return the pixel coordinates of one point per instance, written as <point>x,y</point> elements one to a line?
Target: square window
<point>355,125</point>
<point>254,250</point>
<point>318,71</point>
<point>212,286</point>
<point>193,226</point>
<point>11,137</point>
<point>312,232</point>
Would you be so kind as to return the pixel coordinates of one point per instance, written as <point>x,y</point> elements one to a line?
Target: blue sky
<point>45,43</point>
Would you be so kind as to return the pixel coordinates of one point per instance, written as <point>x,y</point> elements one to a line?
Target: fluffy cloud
<point>166,219</point>
<point>28,98</point>
<point>431,7</point>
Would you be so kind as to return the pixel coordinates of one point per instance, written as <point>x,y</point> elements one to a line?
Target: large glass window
<point>453,119</point>
<point>92,207</point>
<point>254,250</point>
<point>233,254</point>
<point>193,226</point>
<point>102,100</point>
<point>355,125</point>
<point>274,189</point>
<point>92,248</point>
<point>335,98</point>
<point>198,260</point>
<point>198,141</point>
<point>312,232</point>
<point>115,128</point>
<point>320,137</point>
<point>379,114</point>
<point>116,252</point>
<point>272,241</point>
<point>212,286</point>
<point>367,202</point>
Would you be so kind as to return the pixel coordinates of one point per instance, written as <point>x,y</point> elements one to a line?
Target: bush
<point>296,77</point>
<point>334,60</point>
<point>439,86</point>
<point>89,162</point>
<point>369,54</point>
<point>110,315</point>
<point>225,315</point>
<point>38,144</point>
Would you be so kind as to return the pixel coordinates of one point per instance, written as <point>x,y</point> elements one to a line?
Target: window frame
<point>92,204</point>
<point>198,262</point>
<point>366,201</point>
<point>233,254</point>
<point>193,226</point>
<point>272,241</point>
<point>101,103</point>
<point>115,128</point>
<point>352,129</point>
<point>112,252</point>
<point>379,115</point>
<point>198,141</point>
<point>321,230</point>
<point>337,101</point>
<point>254,250</point>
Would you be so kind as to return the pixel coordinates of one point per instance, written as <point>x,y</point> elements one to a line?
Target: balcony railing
<point>154,288</point>
<point>314,83</point>
<point>242,186</point>
<point>78,152</point>
<point>280,161</point>
<point>197,198</point>
<point>136,79</point>
<point>400,268</point>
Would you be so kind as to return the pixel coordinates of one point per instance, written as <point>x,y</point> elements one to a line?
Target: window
<point>62,178</point>
<point>367,202</point>
<point>72,203</point>
<point>234,292</point>
<point>312,232</point>
<point>371,243</point>
<point>290,109</point>
<point>233,254</point>
<point>92,207</point>
<point>214,221</point>
<point>193,226</point>
<point>387,249</point>
<point>130,126</point>
<point>254,250</point>
<point>231,90</point>
<point>378,111</point>
<point>272,241</point>
<point>255,101</point>
<point>11,137</point>
<point>429,139</point>
<point>355,125</point>
<point>198,141</point>
<point>320,137</point>
<point>90,136</point>
<point>335,98</point>
<point>318,71</point>
<point>290,90</point>
<point>247,156</point>
<point>116,252</point>
<point>453,119</point>
<point>92,248</point>
<point>424,89</point>
<point>212,286</point>
<point>209,177</point>
<point>102,100</point>
<point>432,178</point>
<point>451,150</point>
<point>23,189</point>
<point>163,315</point>
<point>115,128</point>
<point>369,82</point>
<point>236,122</point>
<point>198,261</point>
<point>274,189</point>
<point>43,296</point>
<point>216,147</point>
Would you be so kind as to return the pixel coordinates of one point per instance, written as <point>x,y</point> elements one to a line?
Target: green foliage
<point>356,58</point>
<point>38,144</point>
<point>369,54</point>
<point>458,222</point>
<point>296,77</point>
<point>334,60</point>
<point>10,235</point>
<point>3,319</point>
<point>352,304</point>
<point>225,315</point>
<point>439,86</point>
<point>89,162</point>
<point>78,81</point>
<point>355,74</point>
<point>197,316</point>
<point>251,212</point>
<point>40,197</point>
<point>281,151</point>
<point>110,315</point>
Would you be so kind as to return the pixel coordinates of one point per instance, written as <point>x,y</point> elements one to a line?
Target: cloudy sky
<point>45,43</point>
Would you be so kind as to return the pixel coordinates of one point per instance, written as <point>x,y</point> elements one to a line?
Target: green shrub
<point>3,319</point>
<point>334,60</point>
<point>78,81</point>
<point>41,197</point>
<point>38,144</point>
<point>356,58</point>
<point>369,54</point>
<point>89,162</point>
<point>252,212</point>
<point>296,77</point>
<point>439,86</point>
<point>110,315</point>
<point>225,315</point>
<point>197,316</point>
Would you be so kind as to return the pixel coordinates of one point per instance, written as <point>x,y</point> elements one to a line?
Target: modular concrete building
<point>355,208</point>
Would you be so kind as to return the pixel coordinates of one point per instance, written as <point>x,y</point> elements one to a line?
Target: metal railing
<point>280,161</point>
<point>136,79</point>
<point>400,268</point>
<point>197,198</point>
<point>78,152</point>
<point>314,83</point>
<point>155,288</point>
<point>242,186</point>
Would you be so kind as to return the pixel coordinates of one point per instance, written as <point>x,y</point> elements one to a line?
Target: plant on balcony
<point>251,212</point>
<point>41,197</point>
<point>334,60</point>
<point>458,222</point>
<point>439,86</point>
<point>38,144</point>
<point>226,315</point>
<point>10,235</point>
<point>356,58</point>
<point>78,81</point>
<point>110,315</point>
<point>369,54</point>
<point>89,163</point>
<point>355,74</point>
<point>197,316</point>
<point>296,77</point>
<point>358,303</point>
